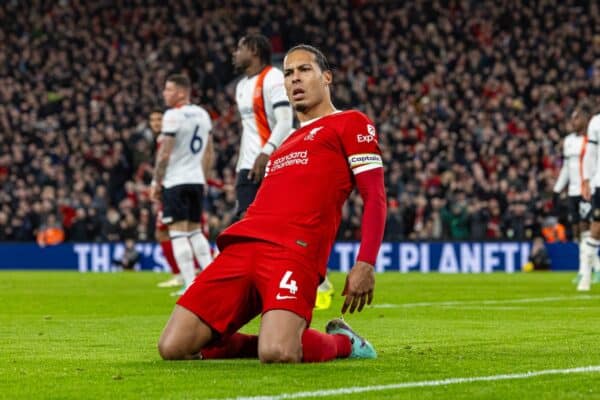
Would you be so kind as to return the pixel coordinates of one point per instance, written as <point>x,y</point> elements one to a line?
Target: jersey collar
<point>310,121</point>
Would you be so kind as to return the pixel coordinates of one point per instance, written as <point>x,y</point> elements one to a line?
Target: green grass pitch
<point>78,336</point>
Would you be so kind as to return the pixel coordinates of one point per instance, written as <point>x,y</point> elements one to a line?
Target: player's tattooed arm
<point>160,167</point>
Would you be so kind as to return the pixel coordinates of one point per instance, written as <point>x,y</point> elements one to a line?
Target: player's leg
<point>238,345</point>
<point>222,298</point>
<point>288,290</point>
<point>183,252</point>
<point>589,251</point>
<point>184,336</point>
<point>162,237</point>
<point>585,214</point>
<point>574,220</point>
<point>582,256</point>
<point>584,228</point>
<point>175,213</point>
<point>284,338</point>
<point>591,245</point>
<point>199,243</point>
<point>280,337</point>
<point>200,246</point>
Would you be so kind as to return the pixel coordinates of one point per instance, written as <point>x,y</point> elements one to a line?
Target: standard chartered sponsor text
<point>295,158</point>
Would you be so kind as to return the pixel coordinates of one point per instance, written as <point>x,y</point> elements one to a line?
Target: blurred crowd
<point>470,99</point>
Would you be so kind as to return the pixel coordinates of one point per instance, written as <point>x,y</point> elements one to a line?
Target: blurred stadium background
<point>471,100</point>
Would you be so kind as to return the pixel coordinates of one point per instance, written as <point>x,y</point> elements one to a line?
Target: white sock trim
<point>177,234</point>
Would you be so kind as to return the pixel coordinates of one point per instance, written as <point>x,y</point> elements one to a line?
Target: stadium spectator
<point>539,258</point>
<point>78,231</point>
<point>50,232</point>
<point>553,231</point>
<point>129,258</point>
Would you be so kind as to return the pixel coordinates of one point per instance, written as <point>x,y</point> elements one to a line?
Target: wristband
<point>268,150</point>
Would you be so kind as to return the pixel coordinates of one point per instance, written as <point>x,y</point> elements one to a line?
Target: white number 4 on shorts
<point>287,283</point>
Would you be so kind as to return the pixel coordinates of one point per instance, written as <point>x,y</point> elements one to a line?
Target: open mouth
<point>297,94</point>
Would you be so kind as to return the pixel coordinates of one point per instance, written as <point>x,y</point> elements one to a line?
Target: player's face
<point>306,85</point>
<point>173,94</point>
<point>242,56</point>
<point>156,123</point>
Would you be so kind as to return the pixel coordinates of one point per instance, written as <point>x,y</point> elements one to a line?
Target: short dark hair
<point>180,80</point>
<point>319,56</point>
<point>584,108</point>
<point>259,44</point>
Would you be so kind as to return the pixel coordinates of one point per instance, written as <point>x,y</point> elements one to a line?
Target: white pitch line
<point>471,302</point>
<point>405,385</point>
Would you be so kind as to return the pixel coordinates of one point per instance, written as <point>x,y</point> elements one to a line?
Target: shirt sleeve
<point>171,122</point>
<point>372,190</point>
<point>360,143</point>
<point>208,122</point>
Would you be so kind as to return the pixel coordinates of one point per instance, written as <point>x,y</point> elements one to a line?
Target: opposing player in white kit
<point>185,154</point>
<point>570,177</point>
<point>590,191</point>
<point>266,114</point>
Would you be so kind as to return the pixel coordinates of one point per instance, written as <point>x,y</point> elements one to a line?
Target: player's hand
<point>586,192</point>
<point>359,287</point>
<point>258,170</point>
<point>155,193</point>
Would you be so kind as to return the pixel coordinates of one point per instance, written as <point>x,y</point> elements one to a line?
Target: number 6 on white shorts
<point>287,283</point>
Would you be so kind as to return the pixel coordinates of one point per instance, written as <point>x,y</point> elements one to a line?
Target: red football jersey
<point>307,180</point>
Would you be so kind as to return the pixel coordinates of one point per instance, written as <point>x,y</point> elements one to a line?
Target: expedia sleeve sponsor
<point>364,162</point>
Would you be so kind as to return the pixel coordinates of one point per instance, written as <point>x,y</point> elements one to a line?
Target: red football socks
<point>319,347</point>
<point>237,345</point>
<point>167,249</point>
<point>316,347</point>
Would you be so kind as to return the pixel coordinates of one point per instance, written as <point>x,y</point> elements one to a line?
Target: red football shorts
<point>248,278</point>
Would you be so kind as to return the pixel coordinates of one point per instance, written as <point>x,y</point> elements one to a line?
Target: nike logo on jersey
<point>312,133</point>
<point>280,297</point>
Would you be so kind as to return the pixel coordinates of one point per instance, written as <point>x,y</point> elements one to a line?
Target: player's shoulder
<point>353,114</point>
<point>350,118</point>
<point>173,115</point>
<point>595,121</point>
<point>198,108</point>
<point>568,139</point>
<point>274,77</point>
<point>172,112</point>
<point>196,111</point>
<point>275,72</point>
